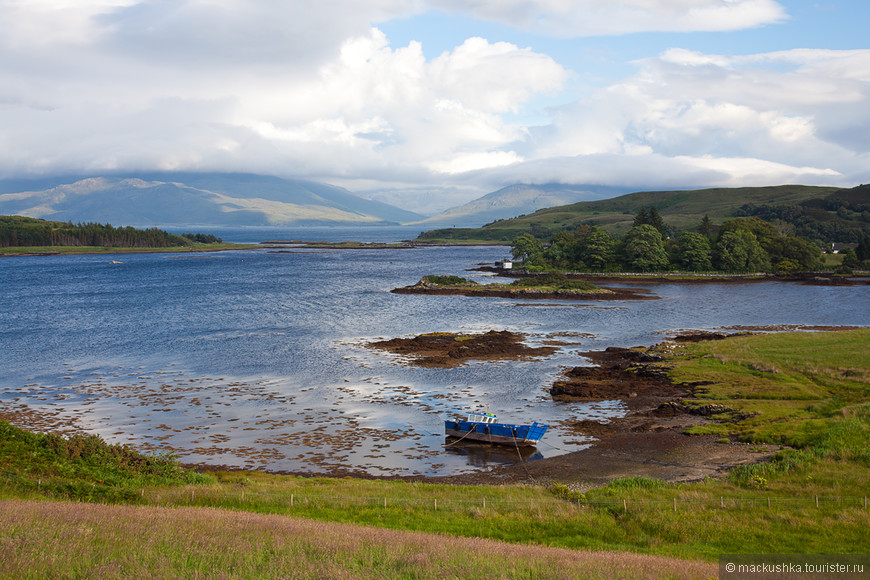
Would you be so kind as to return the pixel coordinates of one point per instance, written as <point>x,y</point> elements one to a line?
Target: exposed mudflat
<point>448,349</point>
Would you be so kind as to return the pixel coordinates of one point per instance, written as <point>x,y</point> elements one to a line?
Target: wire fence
<point>192,496</point>
<point>231,495</point>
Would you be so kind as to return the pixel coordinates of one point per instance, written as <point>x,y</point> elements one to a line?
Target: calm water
<point>255,359</point>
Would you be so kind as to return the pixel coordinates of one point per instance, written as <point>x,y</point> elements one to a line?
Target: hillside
<point>681,210</point>
<point>515,200</point>
<point>217,199</point>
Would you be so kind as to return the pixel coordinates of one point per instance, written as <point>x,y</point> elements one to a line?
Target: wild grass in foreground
<point>50,539</point>
<point>81,467</point>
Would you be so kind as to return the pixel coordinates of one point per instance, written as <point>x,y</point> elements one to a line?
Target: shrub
<point>564,492</point>
<point>448,280</point>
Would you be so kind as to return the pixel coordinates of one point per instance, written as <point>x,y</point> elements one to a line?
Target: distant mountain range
<point>240,199</point>
<point>516,200</point>
<point>220,199</point>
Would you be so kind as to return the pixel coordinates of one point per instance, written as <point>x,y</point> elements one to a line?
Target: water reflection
<point>482,454</point>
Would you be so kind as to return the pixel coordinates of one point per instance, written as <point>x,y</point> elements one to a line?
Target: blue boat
<point>485,427</point>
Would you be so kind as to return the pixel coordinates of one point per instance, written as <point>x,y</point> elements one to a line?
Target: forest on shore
<point>738,245</point>
<point>16,231</point>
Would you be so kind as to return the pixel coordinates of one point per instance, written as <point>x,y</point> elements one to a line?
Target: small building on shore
<point>837,248</point>
<point>504,264</point>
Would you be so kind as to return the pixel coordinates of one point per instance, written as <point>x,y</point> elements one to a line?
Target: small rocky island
<point>549,286</point>
<point>449,349</point>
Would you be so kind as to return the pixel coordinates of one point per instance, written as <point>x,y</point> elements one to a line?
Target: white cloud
<point>370,109</point>
<point>572,18</point>
<point>795,116</point>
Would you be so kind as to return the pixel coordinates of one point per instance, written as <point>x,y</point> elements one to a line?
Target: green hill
<point>843,211</point>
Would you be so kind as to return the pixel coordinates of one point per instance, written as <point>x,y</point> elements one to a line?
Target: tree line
<point>739,245</point>
<point>23,231</point>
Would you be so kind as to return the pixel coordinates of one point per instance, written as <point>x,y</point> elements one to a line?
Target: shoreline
<point>826,278</point>
<point>648,441</point>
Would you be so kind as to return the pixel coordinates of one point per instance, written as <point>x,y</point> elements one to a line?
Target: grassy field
<point>809,391</point>
<point>49,539</point>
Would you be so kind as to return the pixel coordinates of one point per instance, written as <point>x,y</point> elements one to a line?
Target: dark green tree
<point>528,249</point>
<point>850,258</point>
<point>641,218</point>
<point>650,216</point>
<point>706,227</point>
<point>694,251</point>
<point>598,249</point>
<point>643,249</point>
<point>561,251</point>
<point>862,252</point>
<point>739,251</point>
<point>804,254</point>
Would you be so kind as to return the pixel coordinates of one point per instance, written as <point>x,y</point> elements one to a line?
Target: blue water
<point>255,358</point>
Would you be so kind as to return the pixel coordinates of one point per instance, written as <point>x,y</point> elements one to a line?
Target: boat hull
<point>498,433</point>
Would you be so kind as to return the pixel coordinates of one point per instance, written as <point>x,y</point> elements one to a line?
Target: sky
<point>431,103</point>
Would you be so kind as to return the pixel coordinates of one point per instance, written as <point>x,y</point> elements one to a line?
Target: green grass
<point>810,391</point>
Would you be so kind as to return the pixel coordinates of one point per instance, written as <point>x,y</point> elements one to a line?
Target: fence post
<point>768,501</point>
<point>436,504</point>
<point>484,503</point>
<point>721,502</point>
<point>624,506</point>
<point>675,505</point>
<point>817,501</point>
<point>385,503</point>
<point>291,500</point>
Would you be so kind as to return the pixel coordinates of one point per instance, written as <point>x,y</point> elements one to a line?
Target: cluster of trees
<point>857,258</point>
<point>24,231</point>
<point>203,238</point>
<point>739,245</point>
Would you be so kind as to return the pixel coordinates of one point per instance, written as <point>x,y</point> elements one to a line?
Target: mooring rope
<point>522,461</point>
<point>460,439</point>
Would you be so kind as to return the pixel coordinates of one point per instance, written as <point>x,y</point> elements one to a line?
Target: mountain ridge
<point>681,209</point>
<point>518,199</point>
<point>182,198</point>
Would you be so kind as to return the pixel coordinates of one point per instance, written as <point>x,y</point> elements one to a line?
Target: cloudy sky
<point>435,102</point>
